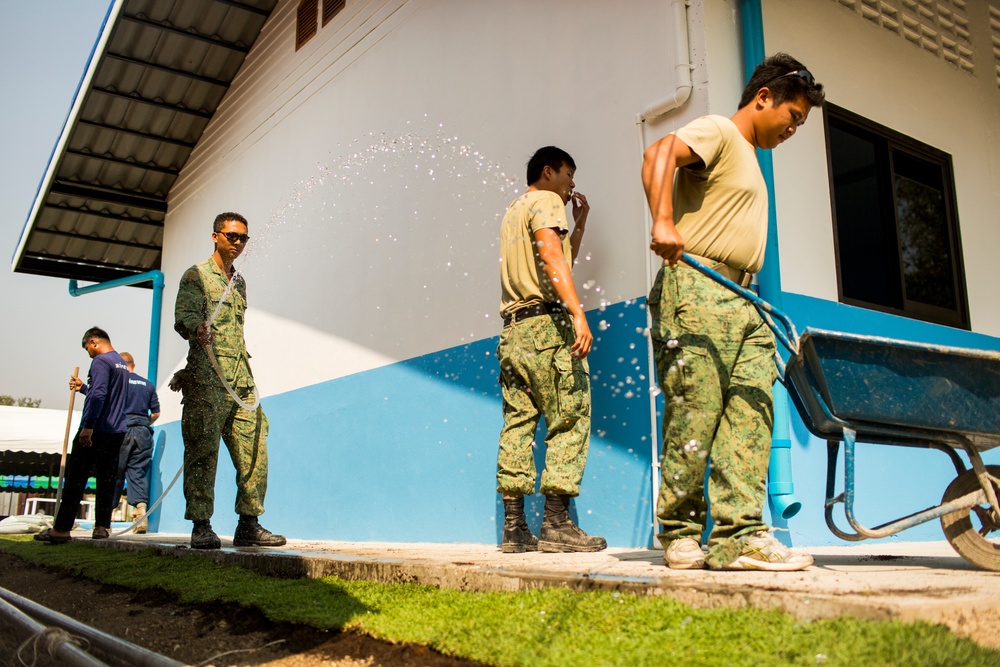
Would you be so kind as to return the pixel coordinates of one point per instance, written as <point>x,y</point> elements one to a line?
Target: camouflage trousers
<point>538,376</point>
<point>209,414</point>
<point>715,365</point>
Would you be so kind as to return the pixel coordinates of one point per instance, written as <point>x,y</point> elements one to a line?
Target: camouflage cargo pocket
<point>573,383</point>
<point>546,335</point>
<point>662,303</point>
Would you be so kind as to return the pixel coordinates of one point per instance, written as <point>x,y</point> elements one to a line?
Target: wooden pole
<point>62,461</point>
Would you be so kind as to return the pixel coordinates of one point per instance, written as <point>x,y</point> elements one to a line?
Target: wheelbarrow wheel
<point>968,530</point>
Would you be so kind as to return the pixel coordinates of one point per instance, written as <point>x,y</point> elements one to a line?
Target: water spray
<point>344,173</point>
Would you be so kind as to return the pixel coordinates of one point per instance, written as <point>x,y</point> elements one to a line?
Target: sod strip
<point>550,627</point>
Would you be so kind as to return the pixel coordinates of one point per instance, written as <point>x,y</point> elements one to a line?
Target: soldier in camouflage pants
<point>542,354</point>
<point>539,376</point>
<point>708,198</point>
<point>715,365</point>
<point>209,412</point>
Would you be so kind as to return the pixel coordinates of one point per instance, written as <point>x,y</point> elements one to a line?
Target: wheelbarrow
<point>851,388</point>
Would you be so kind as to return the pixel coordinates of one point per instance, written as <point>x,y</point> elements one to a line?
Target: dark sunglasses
<point>234,237</point>
<point>803,74</point>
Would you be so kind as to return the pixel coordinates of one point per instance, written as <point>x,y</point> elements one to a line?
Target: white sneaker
<point>762,552</point>
<point>684,554</point>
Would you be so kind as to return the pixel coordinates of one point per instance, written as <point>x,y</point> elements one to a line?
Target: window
<point>331,8</point>
<point>895,224</point>
<point>306,22</point>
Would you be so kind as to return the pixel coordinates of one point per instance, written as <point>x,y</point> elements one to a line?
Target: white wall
<point>872,72</point>
<point>384,260</point>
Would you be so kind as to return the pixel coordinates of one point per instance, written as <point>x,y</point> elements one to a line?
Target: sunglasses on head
<point>234,237</point>
<point>803,74</point>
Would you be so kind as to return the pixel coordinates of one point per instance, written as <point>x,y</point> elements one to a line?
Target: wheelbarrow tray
<point>851,388</point>
<point>885,386</point>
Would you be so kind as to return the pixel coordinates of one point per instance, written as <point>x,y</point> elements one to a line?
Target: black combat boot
<point>517,537</point>
<point>249,533</point>
<point>203,537</point>
<point>560,534</point>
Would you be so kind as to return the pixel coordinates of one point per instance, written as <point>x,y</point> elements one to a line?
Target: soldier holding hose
<point>209,411</point>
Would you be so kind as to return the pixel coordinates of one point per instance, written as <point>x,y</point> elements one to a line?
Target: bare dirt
<point>223,635</point>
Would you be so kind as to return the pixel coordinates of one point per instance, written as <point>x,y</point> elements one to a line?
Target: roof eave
<point>57,151</point>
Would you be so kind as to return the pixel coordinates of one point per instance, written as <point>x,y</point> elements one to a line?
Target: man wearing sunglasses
<point>209,411</point>
<point>714,354</point>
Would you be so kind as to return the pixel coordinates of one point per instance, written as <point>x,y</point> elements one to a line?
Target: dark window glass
<point>924,242</point>
<point>897,237</point>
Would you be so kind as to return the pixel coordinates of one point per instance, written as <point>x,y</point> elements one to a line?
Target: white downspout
<point>682,72</point>
<point>682,91</point>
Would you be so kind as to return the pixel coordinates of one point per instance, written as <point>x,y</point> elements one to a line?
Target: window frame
<point>887,142</point>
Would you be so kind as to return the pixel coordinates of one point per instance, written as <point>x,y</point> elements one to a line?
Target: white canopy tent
<point>34,429</point>
<point>31,439</point>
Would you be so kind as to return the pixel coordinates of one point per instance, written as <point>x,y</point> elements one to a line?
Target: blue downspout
<point>154,323</point>
<point>780,489</point>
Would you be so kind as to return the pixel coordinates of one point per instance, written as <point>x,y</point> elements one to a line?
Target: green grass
<point>551,627</point>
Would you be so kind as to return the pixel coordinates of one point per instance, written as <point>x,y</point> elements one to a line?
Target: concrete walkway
<point>877,580</point>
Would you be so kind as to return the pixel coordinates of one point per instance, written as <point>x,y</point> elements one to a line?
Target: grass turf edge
<point>550,627</point>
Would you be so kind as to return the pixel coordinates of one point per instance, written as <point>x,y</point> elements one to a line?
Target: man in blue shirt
<point>97,443</point>
<point>142,407</point>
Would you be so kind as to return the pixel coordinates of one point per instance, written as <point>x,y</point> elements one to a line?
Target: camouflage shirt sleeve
<point>190,310</point>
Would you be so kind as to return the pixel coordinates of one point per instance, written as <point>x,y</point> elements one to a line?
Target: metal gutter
<point>154,325</point>
<point>681,94</point>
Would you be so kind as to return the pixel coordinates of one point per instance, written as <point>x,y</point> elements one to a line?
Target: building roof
<point>156,76</point>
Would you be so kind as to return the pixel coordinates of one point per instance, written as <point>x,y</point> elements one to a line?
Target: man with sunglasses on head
<point>714,353</point>
<point>210,413</point>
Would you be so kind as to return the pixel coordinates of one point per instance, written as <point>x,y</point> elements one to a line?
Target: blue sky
<point>44,47</point>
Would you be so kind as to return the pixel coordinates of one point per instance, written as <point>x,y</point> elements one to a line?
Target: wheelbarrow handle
<point>786,333</point>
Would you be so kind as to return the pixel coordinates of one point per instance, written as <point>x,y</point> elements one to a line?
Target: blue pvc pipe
<point>780,488</point>
<point>154,323</point>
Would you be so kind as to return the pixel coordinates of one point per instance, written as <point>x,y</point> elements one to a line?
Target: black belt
<point>534,310</point>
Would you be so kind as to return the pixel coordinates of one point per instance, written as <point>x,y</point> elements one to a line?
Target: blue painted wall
<point>407,452</point>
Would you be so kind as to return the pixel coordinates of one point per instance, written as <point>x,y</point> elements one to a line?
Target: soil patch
<point>223,635</point>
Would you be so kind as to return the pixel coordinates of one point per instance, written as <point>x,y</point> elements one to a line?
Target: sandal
<point>47,536</point>
<point>100,533</point>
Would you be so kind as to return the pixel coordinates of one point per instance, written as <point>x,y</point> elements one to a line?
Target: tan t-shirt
<point>721,209</point>
<point>523,281</point>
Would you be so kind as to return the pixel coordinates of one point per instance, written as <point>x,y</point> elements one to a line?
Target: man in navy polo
<point>98,442</point>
